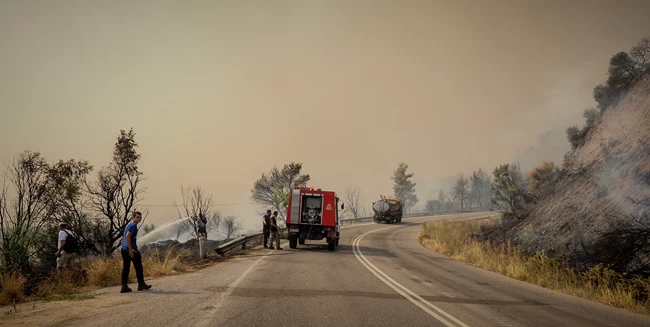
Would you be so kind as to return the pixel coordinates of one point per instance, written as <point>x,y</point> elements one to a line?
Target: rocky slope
<point>601,179</point>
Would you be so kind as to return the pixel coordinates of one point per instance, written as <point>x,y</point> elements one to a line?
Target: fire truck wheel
<point>331,246</point>
<point>292,243</point>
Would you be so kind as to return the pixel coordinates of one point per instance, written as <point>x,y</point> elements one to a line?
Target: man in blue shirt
<point>130,254</point>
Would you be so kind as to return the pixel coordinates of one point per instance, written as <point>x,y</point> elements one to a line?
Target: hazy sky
<point>220,91</point>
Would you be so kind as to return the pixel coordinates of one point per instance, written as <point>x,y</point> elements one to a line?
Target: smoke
<point>550,146</point>
<point>444,183</point>
<point>620,150</point>
<point>562,107</point>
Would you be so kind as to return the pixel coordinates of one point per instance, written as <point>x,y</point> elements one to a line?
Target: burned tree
<point>23,217</point>
<point>273,189</point>
<point>231,225</point>
<point>623,245</point>
<point>117,191</point>
<point>461,190</point>
<point>433,205</point>
<point>196,204</point>
<point>441,198</point>
<point>480,187</point>
<point>354,203</point>
<point>70,203</point>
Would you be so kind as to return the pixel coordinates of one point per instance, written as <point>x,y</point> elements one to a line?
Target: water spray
<point>157,231</point>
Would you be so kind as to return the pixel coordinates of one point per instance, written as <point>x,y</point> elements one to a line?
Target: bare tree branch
<point>117,191</point>
<point>23,219</point>
<point>196,203</point>
<point>231,225</point>
<point>354,201</point>
<point>461,190</point>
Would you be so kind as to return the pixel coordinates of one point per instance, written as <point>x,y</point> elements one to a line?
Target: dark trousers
<point>126,266</point>
<point>267,233</point>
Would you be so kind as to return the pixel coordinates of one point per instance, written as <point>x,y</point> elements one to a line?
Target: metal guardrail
<point>409,215</point>
<point>243,240</point>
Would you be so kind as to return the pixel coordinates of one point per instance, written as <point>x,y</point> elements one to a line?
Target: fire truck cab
<point>313,214</point>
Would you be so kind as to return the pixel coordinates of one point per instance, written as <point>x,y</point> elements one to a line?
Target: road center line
<point>207,318</point>
<point>401,289</point>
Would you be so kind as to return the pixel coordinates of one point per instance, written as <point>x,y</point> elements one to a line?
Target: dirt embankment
<point>602,179</point>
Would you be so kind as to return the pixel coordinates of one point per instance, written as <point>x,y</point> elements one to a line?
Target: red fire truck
<point>313,214</point>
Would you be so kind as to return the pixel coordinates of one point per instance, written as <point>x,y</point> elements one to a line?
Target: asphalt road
<point>379,276</point>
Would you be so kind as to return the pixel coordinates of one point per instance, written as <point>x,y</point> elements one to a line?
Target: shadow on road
<point>164,292</point>
<point>311,293</point>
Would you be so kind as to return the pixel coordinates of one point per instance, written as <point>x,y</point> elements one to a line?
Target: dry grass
<point>103,271</point>
<point>455,239</point>
<point>100,272</point>
<point>11,288</point>
<point>165,264</point>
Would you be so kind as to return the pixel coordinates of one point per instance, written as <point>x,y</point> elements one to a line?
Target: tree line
<point>507,189</point>
<point>36,195</point>
<point>468,193</point>
<point>625,70</point>
<point>273,189</point>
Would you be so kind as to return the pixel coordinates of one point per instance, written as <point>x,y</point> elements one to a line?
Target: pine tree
<point>403,187</point>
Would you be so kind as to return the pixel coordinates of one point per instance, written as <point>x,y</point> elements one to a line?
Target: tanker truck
<point>387,210</point>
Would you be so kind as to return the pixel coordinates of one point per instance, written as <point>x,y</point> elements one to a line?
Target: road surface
<point>379,276</point>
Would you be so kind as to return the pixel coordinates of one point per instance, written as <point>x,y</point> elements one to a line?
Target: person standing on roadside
<point>202,223</point>
<point>266,227</point>
<point>130,254</point>
<point>275,231</point>
<point>66,247</point>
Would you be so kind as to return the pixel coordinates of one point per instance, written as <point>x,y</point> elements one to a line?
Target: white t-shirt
<point>62,237</point>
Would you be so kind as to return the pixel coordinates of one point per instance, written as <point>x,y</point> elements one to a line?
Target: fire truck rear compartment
<point>312,232</point>
<point>312,209</point>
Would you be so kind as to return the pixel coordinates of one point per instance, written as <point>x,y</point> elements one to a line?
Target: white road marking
<point>206,321</point>
<point>401,289</point>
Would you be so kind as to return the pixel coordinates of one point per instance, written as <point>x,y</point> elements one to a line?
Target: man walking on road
<point>266,227</point>
<point>275,231</point>
<point>130,254</point>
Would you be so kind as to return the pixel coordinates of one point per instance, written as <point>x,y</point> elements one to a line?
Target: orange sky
<point>219,92</point>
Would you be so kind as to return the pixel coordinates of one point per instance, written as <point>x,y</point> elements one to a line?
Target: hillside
<point>600,180</point>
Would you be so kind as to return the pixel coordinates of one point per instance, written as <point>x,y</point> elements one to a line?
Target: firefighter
<point>202,223</point>
<point>266,220</point>
<point>275,231</point>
